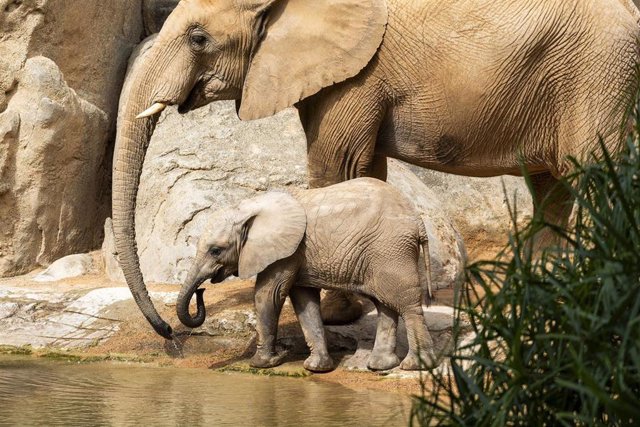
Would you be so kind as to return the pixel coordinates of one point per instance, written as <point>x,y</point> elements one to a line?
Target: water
<point>37,392</point>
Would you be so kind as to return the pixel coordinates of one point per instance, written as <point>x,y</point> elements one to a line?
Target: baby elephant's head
<point>242,241</point>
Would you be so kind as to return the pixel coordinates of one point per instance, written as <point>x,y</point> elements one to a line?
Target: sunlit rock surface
<point>62,64</point>
<point>67,268</point>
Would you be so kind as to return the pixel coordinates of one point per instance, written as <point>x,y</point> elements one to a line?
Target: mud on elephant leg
<point>306,304</point>
<point>384,356</point>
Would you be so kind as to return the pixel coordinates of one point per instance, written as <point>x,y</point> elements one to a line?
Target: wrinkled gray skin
<point>471,87</point>
<point>360,236</point>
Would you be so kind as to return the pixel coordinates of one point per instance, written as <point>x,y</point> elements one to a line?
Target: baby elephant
<point>360,236</point>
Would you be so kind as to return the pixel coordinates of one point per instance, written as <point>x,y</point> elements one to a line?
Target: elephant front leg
<point>306,303</point>
<point>384,356</point>
<point>341,125</point>
<point>269,298</point>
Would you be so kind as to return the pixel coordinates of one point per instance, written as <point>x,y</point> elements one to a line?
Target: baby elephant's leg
<point>268,302</point>
<point>420,353</point>
<point>384,356</point>
<point>399,288</point>
<point>306,303</point>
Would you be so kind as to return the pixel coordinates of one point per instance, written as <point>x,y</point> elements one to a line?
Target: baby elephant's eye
<point>215,251</point>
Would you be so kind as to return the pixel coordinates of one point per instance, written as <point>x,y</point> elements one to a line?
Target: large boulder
<point>62,64</point>
<point>66,268</point>
<point>52,170</point>
<point>480,207</point>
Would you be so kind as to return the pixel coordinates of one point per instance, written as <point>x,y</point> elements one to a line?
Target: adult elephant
<point>471,87</point>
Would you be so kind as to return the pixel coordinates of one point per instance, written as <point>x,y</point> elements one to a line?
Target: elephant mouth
<point>192,100</point>
<point>198,96</point>
<point>219,276</point>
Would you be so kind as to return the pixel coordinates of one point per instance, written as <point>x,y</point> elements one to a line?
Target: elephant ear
<point>309,45</point>
<point>274,224</point>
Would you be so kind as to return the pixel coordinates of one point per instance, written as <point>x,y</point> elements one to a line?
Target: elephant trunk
<point>184,298</point>
<point>132,140</point>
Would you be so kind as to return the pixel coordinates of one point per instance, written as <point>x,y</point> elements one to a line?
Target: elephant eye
<point>198,41</point>
<point>215,251</point>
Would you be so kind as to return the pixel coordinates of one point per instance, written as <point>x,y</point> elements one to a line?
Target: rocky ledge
<point>91,318</point>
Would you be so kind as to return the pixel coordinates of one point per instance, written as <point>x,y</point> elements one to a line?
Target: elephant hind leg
<point>399,288</point>
<point>384,356</point>
<point>556,204</point>
<point>421,354</point>
<point>306,304</point>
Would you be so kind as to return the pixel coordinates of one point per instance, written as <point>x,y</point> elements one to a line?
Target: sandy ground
<point>117,331</point>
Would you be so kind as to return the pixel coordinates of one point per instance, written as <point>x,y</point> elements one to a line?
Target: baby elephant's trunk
<point>182,307</point>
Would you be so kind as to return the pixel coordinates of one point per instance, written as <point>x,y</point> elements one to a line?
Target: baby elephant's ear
<point>276,224</point>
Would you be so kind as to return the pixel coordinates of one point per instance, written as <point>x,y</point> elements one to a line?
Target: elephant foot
<point>265,359</point>
<point>340,308</point>
<point>319,363</point>
<point>383,361</point>
<point>412,362</point>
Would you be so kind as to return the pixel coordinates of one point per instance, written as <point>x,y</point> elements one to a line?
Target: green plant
<point>556,335</point>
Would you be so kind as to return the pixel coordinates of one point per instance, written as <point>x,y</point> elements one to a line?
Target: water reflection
<point>34,392</point>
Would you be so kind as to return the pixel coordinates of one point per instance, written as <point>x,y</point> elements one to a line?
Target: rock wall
<point>202,161</point>
<point>62,64</point>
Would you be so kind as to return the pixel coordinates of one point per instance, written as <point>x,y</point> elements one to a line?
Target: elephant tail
<point>424,244</point>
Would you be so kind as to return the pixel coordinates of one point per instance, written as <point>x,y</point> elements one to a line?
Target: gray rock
<point>52,199</point>
<point>66,319</point>
<point>61,68</point>
<point>155,12</point>
<point>8,309</point>
<point>479,207</point>
<point>110,255</point>
<point>66,268</point>
<point>238,322</point>
<point>207,159</point>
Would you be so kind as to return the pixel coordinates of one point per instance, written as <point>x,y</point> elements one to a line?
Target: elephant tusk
<point>156,108</point>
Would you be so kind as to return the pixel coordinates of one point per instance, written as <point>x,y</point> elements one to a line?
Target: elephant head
<point>242,241</point>
<point>267,54</point>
